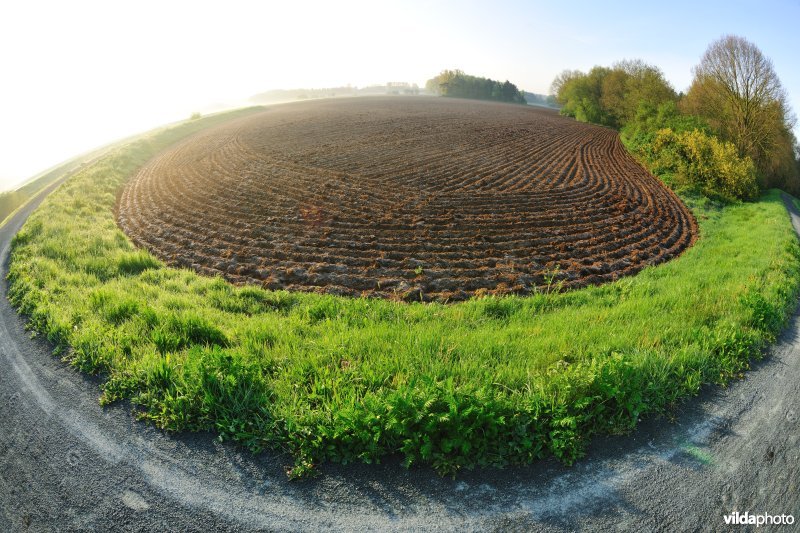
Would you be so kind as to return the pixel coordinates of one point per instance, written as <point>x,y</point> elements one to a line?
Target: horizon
<point>89,73</point>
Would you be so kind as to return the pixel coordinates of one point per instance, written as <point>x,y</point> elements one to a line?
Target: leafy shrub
<point>639,134</point>
<point>682,150</point>
<point>700,161</point>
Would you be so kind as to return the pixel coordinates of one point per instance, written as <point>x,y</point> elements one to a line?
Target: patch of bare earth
<point>408,198</point>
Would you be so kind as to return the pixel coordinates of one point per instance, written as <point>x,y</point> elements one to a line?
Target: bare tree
<point>562,79</point>
<point>736,88</point>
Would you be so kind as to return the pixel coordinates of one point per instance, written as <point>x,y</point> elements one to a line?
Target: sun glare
<point>77,75</point>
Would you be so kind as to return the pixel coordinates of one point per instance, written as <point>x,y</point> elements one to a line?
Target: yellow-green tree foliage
<point>736,89</point>
<point>611,96</point>
<point>702,162</point>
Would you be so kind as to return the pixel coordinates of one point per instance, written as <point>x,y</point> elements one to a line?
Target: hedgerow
<point>682,151</point>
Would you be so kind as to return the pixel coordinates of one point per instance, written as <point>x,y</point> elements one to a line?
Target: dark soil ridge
<point>405,198</point>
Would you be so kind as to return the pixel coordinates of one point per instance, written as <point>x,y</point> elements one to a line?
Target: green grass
<point>9,202</point>
<point>483,382</point>
<point>12,200</point>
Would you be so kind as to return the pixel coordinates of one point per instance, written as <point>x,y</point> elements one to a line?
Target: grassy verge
<point>10,201</point>
<point>484,382</point>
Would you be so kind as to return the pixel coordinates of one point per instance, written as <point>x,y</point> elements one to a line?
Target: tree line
<point>457,84</point>
<point>728,136</point>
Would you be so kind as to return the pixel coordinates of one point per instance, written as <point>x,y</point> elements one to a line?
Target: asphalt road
<point>68,464</point>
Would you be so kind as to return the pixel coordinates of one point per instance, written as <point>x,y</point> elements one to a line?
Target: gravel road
<point>68,464</point>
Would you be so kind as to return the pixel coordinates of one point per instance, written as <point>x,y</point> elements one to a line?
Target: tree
<point>636,82</point>
<point>611,96</point>
<point>456,83</point>
<point>580,95</point>
<point>562,79</point>
<point>736,89</point>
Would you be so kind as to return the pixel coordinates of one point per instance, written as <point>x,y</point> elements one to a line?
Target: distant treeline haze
<point>457,84</point>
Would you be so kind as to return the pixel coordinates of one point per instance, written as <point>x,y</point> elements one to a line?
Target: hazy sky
<point>77,74</point>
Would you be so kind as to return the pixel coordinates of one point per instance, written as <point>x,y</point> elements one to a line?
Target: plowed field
<point>408,198</point>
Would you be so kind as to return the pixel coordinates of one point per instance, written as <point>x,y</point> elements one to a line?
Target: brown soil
<point>408,198</point>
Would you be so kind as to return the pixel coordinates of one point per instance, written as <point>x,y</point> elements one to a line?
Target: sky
<point>80,74</point>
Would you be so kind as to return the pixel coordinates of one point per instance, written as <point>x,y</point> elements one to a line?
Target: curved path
<point>67,464</point>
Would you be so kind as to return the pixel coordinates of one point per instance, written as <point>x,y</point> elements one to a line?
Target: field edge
<point>78,288</point>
